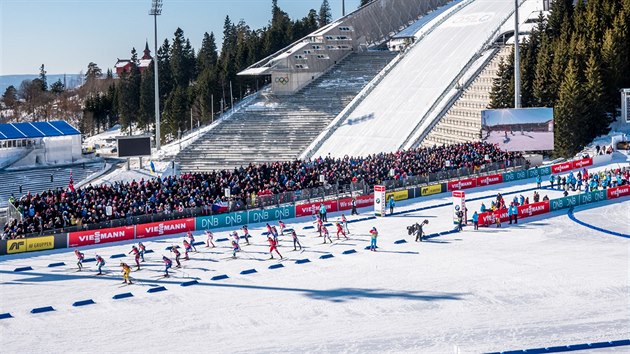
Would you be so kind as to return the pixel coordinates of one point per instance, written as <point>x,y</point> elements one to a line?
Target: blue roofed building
<point>39,143</point>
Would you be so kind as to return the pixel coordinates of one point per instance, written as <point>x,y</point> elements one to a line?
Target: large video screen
<point>134,146</point>
<point>522,129</point>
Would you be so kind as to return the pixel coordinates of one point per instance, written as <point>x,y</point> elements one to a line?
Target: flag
<point>152,167</point>
<point>71,183</point>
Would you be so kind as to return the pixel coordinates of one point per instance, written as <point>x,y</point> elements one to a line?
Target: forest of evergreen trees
<point>191,81</point>
<point>576,61</point>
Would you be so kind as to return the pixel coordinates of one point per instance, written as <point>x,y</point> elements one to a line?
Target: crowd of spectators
<point>53,209</point>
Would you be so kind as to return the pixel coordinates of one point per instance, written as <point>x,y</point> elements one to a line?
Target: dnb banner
<point>522,129</point>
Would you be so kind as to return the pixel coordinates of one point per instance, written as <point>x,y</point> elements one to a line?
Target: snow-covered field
<point>522,141</point>
<point>548,281</point>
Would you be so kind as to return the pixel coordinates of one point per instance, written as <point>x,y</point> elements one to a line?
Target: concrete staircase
<point>279,128</point>
<point>462,122</point>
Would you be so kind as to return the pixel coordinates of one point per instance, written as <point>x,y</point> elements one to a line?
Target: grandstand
<point>279,128</point>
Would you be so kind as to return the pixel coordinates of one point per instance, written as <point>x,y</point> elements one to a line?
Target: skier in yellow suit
<point>125,270</point>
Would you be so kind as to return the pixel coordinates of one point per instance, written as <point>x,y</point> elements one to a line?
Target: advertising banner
<point>379,200</point>
<point>16,246</point>
<point>566,202</point>
<point>533,209</point>
<point>489,218</point>
<point>583,162</point>
<point>3,247</point>
<point>561,167</point>
<point>542,171</point>
<point>95,237</point>
<point>313,208</point>
<point>618,192</point>
<point>220,220</point>
<point>430,190</point>
<point>40,243</point>
<point>365,200</point>
<point>488,180</point>
<point>462,184</point>
<point>592,197</point>
<point>284,212</point>
<point>167,227</point>
<point>398,195</point>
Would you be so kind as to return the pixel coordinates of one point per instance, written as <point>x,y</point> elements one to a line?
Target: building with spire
<point>124,65</point>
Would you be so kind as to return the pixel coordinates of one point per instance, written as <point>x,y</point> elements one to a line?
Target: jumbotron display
<point>134,146</point>
<point>522,129</point>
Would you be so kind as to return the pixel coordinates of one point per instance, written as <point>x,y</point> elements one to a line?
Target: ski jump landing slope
<point>388,114</point>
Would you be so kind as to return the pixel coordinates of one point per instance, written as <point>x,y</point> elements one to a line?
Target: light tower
<point>517,60</point>
<point>156,10</point>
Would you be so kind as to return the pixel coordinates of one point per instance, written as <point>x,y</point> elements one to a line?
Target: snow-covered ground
<point>521,141</point>
<point>548,281</point>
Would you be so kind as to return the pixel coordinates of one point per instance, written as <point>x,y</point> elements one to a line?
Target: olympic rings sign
<point>282,80</point>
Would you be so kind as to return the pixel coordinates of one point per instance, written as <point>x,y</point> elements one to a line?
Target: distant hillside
<point>72,80</point>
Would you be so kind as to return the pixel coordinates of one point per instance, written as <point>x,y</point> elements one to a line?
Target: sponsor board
<point>3,247</point>
<point>488,180</point>
<point>430,190</point>
<point>528,210</point>
<point>313,208</point>
<point>514,176</point>
<point>379,200</point>
<point>539,171</point>
<point>94,237</point>
<point>220,220</point>
<point>592,197</point>
<point>167,227</point>
<point>561,167</point>
<point>489,218</point>
<point>618,192</point>
<point>285,212</point>
<point>61,241</point>
<point>16,246</point>
<point>583,162</point>
<point>362,201</point>
<point>566,202</point>
<point>462,184</point>
<point>40,243</point>
<point>398,195</point>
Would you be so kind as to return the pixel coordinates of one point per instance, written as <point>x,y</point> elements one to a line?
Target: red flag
<point>71,183</point>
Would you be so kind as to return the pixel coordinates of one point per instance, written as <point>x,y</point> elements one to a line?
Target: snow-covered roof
<point>145,63</point>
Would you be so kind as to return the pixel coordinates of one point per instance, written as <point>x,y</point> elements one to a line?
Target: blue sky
<point>66,35</point>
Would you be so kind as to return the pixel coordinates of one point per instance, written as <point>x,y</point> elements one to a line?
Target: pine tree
<point>129,95</point>
<point>502,92</point>
<point>560,12</point>
<point>325,14</point>
<point>364,2</point>
<point>569,115</point>
<point>146,113</point>
<point>596,122</point>
<point>10,97</point>
<point>166,76</point>
<point>42,78</point>
<point>542,90</point>
<point>57,87</point>
<point>178,59</point>
<point>207,57</point>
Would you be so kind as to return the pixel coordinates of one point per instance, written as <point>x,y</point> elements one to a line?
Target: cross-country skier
<point>419,231</point>
<point>80,258</point>
<point>273,247</point>
<point>210,238</point>
<point>100,262</point>
<point>282,226</point>
<point>187,248</point>
<point>296,242</point>
<point>319,224</point>
<point>136,254</point>
<point>274,233</point>
<point>374,235</point>
<point>235,248</point>
<point>177,254</point>
<point>167,265</point>
<point>126,270</point>
<point>235,237</point>
<point>344,221</point>
<point>326,234</point>
<point>192,241</point>
<point>246,233</point>
<point>142,249</point>
<point>340,231</point>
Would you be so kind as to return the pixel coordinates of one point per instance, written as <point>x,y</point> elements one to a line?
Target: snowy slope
<point>548,281</point>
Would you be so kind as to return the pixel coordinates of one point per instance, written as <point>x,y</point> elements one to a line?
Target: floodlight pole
<point>517,60</point>
<point>156,10</point>
<point>343,8</point>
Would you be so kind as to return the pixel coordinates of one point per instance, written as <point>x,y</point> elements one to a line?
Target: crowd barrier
<point>239,218</point>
